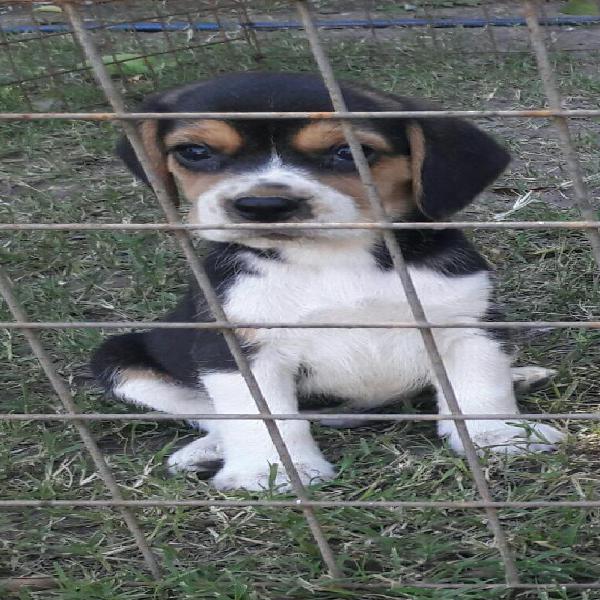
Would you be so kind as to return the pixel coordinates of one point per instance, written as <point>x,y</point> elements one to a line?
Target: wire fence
<point>92,62</point>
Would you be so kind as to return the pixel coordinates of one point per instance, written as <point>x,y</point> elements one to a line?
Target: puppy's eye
<point>343,152</point>
<point>342,155</point>
<point>193,155</point>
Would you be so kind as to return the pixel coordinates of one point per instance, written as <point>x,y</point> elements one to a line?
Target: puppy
<point>298,171</point>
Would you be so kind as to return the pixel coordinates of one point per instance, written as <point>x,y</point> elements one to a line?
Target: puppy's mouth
<point>277,235</point>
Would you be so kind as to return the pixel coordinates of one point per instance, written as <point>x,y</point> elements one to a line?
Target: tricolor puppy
<point>297,171</point>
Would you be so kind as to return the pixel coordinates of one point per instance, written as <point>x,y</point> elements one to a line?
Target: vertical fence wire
<point>489,30</point>
<point>110,38</point>
<point>414,302</point>
<point>561,123</point>
<point>167,35</point>
<point>144,51</point>
<point>435,41</point>
<point>247,29</point>
<point>15,71</point>
<point>165,199</point>
<point>66,398</point>
<point>46,57</point>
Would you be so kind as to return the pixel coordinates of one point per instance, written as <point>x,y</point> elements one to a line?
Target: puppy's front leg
<point>248,451</point>
<point>481,378</point>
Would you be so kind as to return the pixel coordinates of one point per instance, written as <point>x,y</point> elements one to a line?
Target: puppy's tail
<point>119,354</point>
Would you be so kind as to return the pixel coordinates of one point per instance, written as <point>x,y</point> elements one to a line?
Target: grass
<point>65,172</point>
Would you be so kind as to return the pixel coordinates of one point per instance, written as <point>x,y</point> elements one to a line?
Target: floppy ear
<point>149,132</point>
<point>452,162</point>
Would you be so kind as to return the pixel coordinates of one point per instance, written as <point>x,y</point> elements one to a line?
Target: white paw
<point>258,476</point>
<point>527,379</point>
<point>196,455</point>
<point>502,437</point>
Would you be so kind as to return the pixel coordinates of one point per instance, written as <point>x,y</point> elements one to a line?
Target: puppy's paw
<point>200,455</point>
<point>530,379</point>
<point>259,476</point>
<point>501,437</point>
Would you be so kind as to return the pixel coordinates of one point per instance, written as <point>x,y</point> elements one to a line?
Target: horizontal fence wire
<point>300,325</point>
<point>304,502</point>
<point>298,226</point>
<point>117,62</point>
<point>307,416</point>
<point>534,113</point>
<point>18,583</point>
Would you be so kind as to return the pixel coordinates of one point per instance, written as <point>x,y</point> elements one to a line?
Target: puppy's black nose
<point>266,209</point>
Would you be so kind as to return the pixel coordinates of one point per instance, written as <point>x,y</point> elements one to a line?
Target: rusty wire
<point>417,324</point>
<point>539,113</point>
<point>13,584</point>
<point>117,62</point>
<point>165,198</point>
<point>298,226</point>
<point>414,302</point>
<point>303,416</point>
<point>65,396</point>
<point>550,84</point>
<point>303,501</point>
<point>302,504</point>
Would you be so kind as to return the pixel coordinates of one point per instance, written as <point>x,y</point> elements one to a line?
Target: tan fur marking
<point>157,155</point>
<point>217,134</point>
<point>416,140</point>
<point>322,135</point>
<point>392,176</point>
<point>190,183</point>
<point>133,373</point>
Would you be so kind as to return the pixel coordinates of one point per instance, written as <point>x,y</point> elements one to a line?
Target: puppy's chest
<point>283,292</point>
<point>353,289</point>
<point>370,364</point>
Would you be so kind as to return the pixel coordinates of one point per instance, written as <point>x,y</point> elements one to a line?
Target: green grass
<point>65,172</point>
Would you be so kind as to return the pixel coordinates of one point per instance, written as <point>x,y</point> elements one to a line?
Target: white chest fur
<point>369,366</point>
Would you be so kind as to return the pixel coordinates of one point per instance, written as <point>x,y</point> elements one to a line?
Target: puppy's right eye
<point>195,156</point>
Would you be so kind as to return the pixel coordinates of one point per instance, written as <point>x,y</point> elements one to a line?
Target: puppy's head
<point>282,170</point>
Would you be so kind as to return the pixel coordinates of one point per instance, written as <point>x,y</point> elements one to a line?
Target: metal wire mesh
<point>93,62</point>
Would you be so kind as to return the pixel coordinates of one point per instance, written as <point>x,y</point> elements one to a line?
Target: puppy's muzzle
<point>267,209</point>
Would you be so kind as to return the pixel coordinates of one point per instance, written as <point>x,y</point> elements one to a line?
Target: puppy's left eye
<point>342,156</point>
<point>194,156</point>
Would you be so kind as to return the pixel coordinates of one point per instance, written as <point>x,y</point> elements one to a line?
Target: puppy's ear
<point>452,162</point>
<point>150,133</point>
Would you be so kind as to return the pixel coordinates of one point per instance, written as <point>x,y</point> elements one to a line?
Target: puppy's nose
<point>266,209</point>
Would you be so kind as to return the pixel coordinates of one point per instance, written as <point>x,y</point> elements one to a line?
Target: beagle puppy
<point>299,171</point>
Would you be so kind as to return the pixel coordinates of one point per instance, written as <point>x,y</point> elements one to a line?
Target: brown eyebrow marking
<point>217,134</point>
<point>392,176</point>
<point>192,184</point>
<point>322,135</point>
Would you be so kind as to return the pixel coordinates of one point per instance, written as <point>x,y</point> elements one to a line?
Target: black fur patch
<point>182,353</point>
<point>446,251</point>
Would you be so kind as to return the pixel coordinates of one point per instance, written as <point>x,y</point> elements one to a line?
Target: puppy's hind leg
<point>124,369</point>
<point>203,454</point>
